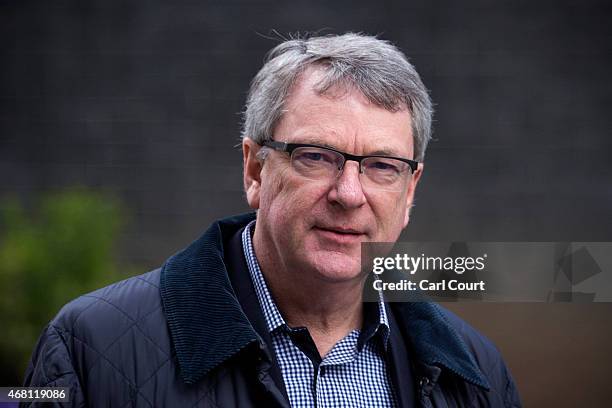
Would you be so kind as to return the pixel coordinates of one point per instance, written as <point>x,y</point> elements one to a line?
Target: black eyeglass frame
<point>290,147</point>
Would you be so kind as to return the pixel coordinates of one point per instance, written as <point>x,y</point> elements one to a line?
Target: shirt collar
<point>375,318</point>
<point>273,317</point>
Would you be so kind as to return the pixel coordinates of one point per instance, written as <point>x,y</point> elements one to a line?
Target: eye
<point>313,156</point>
<point>384,166</point>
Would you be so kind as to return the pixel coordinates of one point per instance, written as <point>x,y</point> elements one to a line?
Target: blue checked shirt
<point>354,372</point>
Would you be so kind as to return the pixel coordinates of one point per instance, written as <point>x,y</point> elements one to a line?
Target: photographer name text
<point>425,285</point>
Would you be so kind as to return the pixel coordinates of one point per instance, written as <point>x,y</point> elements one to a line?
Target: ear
<point>411,189</point>
<point>252,172</point>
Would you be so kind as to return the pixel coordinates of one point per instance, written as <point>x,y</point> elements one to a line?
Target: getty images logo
<point>412,264</point>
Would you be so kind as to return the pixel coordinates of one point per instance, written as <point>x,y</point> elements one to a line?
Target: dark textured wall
<point>143,99</point>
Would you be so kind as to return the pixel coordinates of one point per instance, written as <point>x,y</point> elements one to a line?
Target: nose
<point>347,189</point>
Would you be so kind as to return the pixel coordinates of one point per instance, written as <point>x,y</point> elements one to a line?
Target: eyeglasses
<point>323,163</point>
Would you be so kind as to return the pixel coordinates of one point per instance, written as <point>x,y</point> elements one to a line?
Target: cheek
<point>284,189</point>
<point>281,198</point>
<point>390,213</point>
<point>272,185</point>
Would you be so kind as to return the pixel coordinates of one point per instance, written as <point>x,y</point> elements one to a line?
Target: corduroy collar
<point>208,326</point>
<point>206,322</point>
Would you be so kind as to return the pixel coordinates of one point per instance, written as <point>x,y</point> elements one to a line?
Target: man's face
<point>316,226</point>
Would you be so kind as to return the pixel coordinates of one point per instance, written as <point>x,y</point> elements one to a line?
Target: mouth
<point>340,235</point>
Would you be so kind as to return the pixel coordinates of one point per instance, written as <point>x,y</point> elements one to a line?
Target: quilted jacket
<point>191,334</point>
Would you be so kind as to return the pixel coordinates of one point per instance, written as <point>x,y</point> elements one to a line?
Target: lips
<point>341,230</point>
<point>340,235</point>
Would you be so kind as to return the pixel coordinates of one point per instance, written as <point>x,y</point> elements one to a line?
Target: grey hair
<point>374,67</point>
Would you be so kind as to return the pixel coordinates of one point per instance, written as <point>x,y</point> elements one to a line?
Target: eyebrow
<point>385,152</point>
<point>318,142</point>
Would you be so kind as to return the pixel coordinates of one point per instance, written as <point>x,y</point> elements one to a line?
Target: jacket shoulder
<point>487,357</point>
<point>107,330</point>
<point>111,307</point>
<point>115,338</point>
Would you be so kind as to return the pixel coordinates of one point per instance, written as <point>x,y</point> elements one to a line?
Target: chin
<point>337,267</point>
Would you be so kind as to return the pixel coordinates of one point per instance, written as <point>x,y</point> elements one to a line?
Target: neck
<point>329,309</point>
<point>321,306</point>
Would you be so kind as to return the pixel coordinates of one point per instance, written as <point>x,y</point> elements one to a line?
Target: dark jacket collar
<point>208,325</point>
<point>206,322</point>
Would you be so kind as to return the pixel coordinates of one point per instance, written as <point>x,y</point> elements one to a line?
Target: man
<point>267,310</point>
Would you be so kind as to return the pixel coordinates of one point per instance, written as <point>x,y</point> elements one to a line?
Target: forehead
<point>343,118</point>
